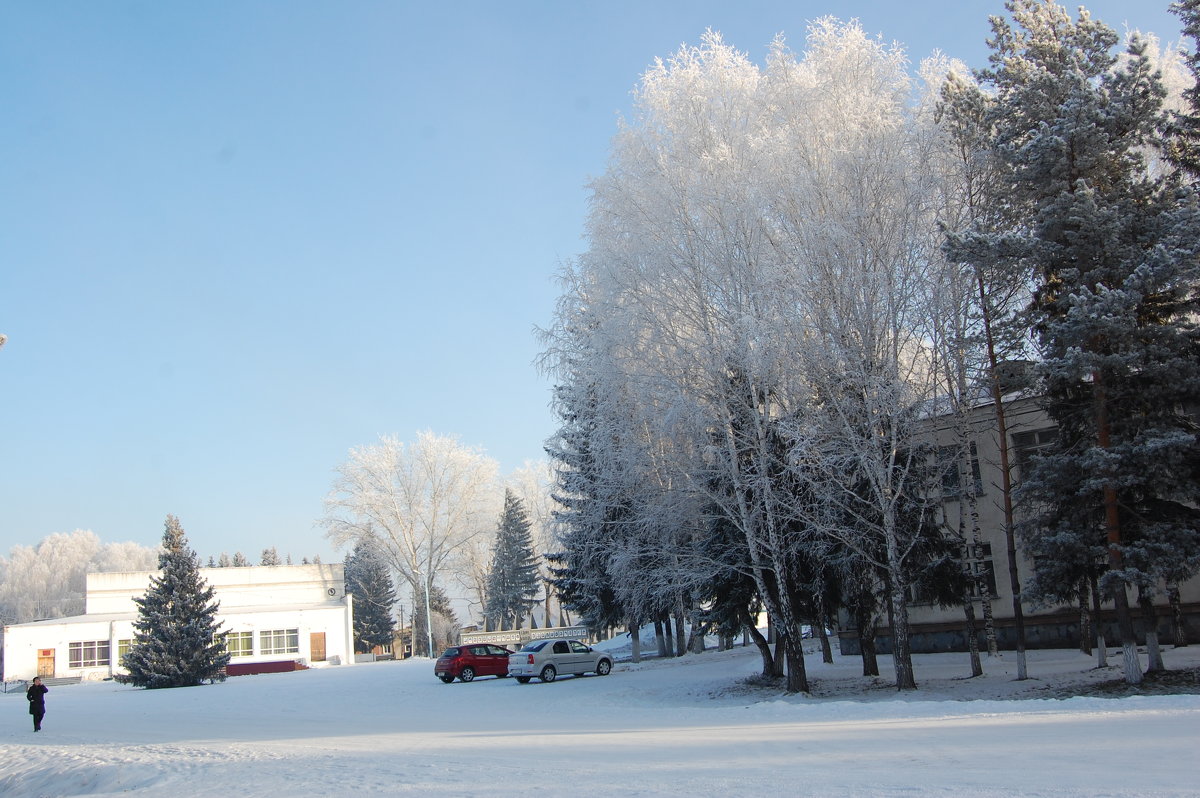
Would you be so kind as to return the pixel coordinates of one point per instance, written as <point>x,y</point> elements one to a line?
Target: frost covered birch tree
<point>416,504</point>
<point>758,237</point>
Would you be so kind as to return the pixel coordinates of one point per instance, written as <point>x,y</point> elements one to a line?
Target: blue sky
<point>239,238</point>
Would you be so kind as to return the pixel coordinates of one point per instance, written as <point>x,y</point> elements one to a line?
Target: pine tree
<point>270,557</point>
<point>370,582</point>
<point>224,561</point>
<point>1115,253</point>
<point>176,641</point>
<point>512,583</point>
<point>239,560</point>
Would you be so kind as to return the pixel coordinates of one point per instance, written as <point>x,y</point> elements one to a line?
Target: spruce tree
<point>270,557</point>
<point>176,641</point>
<point>370,582</point>
<point>512,583</point>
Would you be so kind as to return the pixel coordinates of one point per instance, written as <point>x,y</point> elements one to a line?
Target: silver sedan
<point>547,659</point>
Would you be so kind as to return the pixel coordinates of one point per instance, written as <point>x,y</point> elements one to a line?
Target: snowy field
<point>661,728</point>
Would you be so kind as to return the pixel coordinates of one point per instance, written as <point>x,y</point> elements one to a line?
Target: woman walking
<point>37,701</point>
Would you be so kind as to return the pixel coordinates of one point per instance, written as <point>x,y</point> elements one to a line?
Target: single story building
<point>272,618</point>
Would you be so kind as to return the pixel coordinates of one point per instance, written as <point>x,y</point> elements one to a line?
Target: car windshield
<point>537,645</point>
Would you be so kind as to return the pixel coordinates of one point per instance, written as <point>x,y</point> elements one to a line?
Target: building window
<point>88,654</point>
<point>123,647</point>
<point>279,641</point>
<point>240,644</point>
<point>948,469</point>
<point>980,566</point>
<point>1027,445</point>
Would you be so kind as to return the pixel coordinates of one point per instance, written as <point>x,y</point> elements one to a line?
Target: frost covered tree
<point>239,560</point>
<point>1115,255</point>
<point>419,503</point>
<point>512,584</point>
<point>270,557</point>
<point>176,641</point>
<point>369,580</point>
<point>759,236</point>
<point>49,580</point>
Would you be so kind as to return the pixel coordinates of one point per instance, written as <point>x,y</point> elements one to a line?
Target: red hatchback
<point>468,661</point>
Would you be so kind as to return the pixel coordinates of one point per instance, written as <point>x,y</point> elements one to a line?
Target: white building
<point>273,618</point>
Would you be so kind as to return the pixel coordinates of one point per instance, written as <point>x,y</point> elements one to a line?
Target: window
<point>948,469</point>
<point>578,648</point>
<point>1027,445</point>
<point>279,641</point>
<point>88,654</point>
<point>239,644</point>
<point>979,563</point>
<point>561,647</point>
<point>123,647</point>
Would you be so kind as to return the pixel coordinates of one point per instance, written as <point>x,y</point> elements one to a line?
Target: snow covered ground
<point>693,726</point>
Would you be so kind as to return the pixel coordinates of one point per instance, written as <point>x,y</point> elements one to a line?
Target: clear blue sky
<point>239,238</point>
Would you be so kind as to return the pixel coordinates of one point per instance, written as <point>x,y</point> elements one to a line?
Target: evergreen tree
<point>270,557</point>
<point>370,582</point>
<point>1115,254</point>
<point>176,642</point>
<point>512,583</point>
<point>239,560</point>
<point>224,561</point>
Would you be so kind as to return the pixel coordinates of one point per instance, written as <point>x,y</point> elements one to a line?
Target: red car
<point>468,661</point>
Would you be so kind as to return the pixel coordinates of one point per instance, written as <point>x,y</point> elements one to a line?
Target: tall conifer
<point>176,641</point>
<point>512,584</point>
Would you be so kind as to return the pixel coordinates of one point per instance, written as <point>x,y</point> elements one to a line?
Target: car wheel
<point>524,679</point>
<point>466,674</point>
<point>548,673</point>
<point>603,668</point>
<point>447,678</point>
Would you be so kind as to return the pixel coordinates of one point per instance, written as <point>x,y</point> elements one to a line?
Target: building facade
<point>272,618</point>
<point>936,628</point>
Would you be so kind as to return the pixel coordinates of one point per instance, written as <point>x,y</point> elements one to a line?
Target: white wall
<point>308,598</point>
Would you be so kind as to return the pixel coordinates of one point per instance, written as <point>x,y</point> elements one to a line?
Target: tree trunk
<point>635,638</point>
<point>1150,615</point>
<point>668,637</point>
<point>779,660</point>
<point>864,621</point>
<point>660,639</point>
<point>680,640</point>
<point>1098,623</point>
<point>901,650</point>
<point>826,647</point>
<point>1112,528</point>
<point>971,634</point>
<point>1179,630</point>
<point>764,650</point>
<point>1006,487</point>
<point>1085,619</point>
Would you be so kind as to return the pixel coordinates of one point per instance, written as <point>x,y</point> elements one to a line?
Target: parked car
<point>548,659</point>
<point>468,661</point>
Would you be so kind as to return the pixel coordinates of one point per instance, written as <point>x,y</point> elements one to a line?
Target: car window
<point>497,651</point>
<point>561,647</point>
<point>536,645</point>
<point>479,651</point>
<point>578,648</point>
<point>450,652</point>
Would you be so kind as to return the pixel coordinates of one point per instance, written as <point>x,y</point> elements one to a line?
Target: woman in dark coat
<point>37,701</point>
